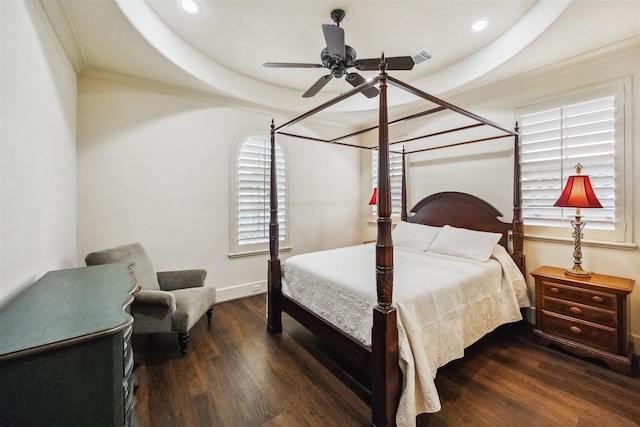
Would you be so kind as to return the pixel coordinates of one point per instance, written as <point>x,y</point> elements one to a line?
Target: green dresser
<point>65,350</point>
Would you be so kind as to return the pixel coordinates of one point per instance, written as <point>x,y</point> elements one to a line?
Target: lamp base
<point>577,271</point>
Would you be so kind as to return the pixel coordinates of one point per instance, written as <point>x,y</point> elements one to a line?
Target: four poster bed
<point>443,303</point>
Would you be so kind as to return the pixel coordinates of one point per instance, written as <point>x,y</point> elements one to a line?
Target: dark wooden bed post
<point>385,381</point>
<point>403,215</point>
<point>274,278</point>
<point>518,225</point>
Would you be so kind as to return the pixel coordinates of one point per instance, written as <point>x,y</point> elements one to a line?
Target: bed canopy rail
<point>442,105</point>
<point>338,140</point>
<point>384,352</point>
<point>446,104</point>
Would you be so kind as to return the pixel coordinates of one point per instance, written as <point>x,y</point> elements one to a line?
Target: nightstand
<point>587,316</point>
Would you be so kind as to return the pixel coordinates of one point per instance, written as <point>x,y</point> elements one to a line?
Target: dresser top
<point>66,307</point>
<point>611,282</point>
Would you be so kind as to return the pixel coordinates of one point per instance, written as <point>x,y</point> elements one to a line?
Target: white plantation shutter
<point>554,137</point>
<point>395,176</point>
<point>252,204</point>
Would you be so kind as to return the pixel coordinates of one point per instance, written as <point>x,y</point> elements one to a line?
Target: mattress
<point>444,304</point>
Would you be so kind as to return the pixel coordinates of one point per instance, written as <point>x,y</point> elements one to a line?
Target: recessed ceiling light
<point>479,26</point>
<point>190,6</point>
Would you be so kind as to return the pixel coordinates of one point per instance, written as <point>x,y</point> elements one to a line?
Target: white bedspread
<point>444,304</point>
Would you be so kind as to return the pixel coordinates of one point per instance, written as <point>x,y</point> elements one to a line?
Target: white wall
<point>37,148</point>
<point>156,168</point>
<point>486,171</point>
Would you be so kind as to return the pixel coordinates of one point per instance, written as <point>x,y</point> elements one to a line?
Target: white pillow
<point>414,236</point>
<point>465,243</point>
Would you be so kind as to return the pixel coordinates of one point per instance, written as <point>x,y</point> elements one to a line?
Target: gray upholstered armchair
<point>170,301</point>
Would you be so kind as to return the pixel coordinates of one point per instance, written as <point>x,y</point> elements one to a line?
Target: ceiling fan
<point>338,58</point>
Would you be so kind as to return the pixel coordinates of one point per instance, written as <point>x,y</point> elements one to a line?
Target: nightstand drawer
<point>580,311</point>
<point>582,296</point>
<point>602,337</point>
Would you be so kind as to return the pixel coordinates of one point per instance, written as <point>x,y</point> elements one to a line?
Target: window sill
<point>584,242</point>
<point>256,252</point>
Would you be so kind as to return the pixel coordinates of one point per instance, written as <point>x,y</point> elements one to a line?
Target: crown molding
<point>210,98</point>
<point>606,53</point>
<point>58,17</point>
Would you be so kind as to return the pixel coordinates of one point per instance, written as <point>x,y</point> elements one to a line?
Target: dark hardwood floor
<point>235,374</point>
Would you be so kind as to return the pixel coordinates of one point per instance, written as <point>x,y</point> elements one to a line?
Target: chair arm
<point>153,311</point>
<point>155,298</point>
<point>172,280</point>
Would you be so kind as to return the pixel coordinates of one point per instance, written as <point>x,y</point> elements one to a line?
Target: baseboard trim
<point>240,291</point>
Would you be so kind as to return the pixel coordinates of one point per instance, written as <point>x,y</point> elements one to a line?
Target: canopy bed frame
<point>455,209</point>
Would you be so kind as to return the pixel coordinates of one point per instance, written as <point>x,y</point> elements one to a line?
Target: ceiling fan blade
<point>356,80</point>
<point>393,63</point>
<point>334,36</point>
<point>289,65</point>
<point>322,81</point>
<point>400,63</point>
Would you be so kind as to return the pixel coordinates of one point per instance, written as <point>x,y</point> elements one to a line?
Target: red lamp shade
<point>374,197</point>
<point>578,193</point>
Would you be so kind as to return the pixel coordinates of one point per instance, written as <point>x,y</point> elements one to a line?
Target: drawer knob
<point>555,290</point>
<point>575,310</point>
<point>576,330</point>
<point>596,298</point>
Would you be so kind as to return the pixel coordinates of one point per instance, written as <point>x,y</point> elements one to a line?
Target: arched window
<point>251,207</point>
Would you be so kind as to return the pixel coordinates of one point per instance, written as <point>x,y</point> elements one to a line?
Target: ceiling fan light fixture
<point>190,6</point>
<point>479,25</point>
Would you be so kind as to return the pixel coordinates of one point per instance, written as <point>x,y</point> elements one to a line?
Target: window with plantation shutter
<point>585,128</point>
<point>252,195</point>
<point>395,177</point>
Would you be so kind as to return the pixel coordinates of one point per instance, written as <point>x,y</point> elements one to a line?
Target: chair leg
<point>209,315</point>
<point>183,339</point>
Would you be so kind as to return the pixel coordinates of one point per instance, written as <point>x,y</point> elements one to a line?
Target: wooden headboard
<point>460,210</point>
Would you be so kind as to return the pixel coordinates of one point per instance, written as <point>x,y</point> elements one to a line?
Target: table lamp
<point>374,197</point>
<point>578,193</point>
